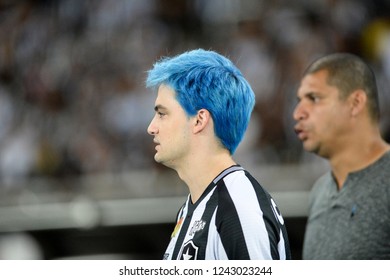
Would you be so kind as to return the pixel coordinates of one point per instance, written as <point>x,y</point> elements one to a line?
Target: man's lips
<point>156,143</point>
<point>301,133</point>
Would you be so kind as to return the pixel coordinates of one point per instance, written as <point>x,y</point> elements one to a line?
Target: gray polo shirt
<point>353,223</point>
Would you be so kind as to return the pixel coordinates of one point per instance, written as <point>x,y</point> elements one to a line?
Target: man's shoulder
<point>323,180</point>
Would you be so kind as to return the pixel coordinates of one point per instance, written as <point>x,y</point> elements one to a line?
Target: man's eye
<point>160,114</point>
<point>314,98</point>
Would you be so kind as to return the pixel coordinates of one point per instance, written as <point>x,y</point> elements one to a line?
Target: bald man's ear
<point>358,101</point>
<point>201,120</point>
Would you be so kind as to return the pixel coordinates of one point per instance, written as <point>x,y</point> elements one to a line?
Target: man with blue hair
<point>202,110</point>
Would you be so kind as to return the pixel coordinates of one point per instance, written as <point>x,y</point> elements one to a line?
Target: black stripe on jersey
<point>228,225</point>
<point>271,223</point>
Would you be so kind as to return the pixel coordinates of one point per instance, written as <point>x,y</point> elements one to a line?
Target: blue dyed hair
<point>207,80</point>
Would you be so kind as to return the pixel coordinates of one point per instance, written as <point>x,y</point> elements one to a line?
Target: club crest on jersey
<point>198,226</point>
<point>189,251</point>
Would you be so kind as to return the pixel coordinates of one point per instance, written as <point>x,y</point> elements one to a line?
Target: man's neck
<point>357,156</point>
<point>201,171</point>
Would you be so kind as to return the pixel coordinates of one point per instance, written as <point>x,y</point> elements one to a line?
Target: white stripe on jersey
<point>216,251</point>
<point>281,246</point>
<point>250,215</point>
<point>172,242</point>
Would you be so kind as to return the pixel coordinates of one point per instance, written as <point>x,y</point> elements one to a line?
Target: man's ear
<point>201,120</point>
<point>358,101</point>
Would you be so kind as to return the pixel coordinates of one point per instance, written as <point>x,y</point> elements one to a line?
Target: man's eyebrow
<point>159,107</point>
<point>307,94</point>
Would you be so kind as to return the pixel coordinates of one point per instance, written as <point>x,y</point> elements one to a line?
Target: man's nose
<point>299,112</point>
<point>152,129</point>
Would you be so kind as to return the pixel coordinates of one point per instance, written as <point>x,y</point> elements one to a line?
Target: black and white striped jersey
<point>235,218</point>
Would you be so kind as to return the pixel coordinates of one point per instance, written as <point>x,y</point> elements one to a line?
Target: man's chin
<point>308,147</point>
<point>157,158</point>
<point>165,162</point>
<point>311,148</point>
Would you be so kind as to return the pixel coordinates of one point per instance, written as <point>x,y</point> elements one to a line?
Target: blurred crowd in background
<point>72,93</point>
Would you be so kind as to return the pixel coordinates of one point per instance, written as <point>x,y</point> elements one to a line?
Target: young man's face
<point>171,129</point>
<point>321,116</point>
